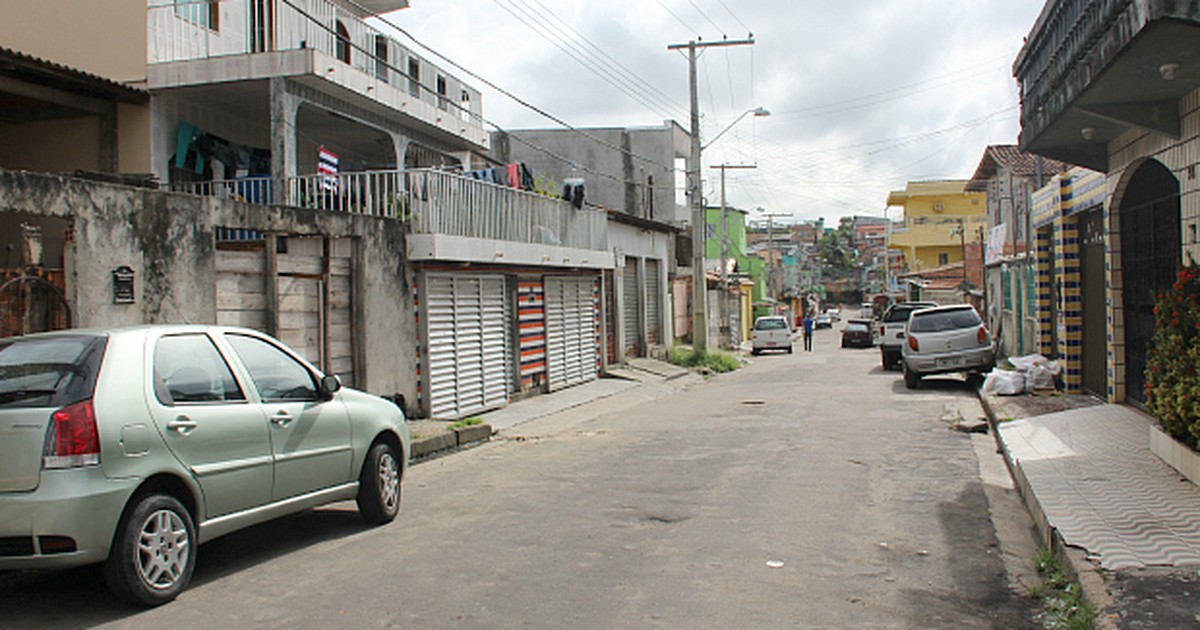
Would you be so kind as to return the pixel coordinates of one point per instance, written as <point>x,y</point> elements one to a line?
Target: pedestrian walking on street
<point>808,328</point>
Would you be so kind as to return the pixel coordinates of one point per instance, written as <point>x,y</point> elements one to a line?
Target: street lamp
<point>758,112</point>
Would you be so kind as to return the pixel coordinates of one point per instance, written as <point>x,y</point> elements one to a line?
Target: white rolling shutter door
<point>469,346</point>
<point>653,303</point>
<point>572,345</point>
<point>631,309</point>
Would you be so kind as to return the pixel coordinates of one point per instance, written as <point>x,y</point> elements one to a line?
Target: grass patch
<point>1063,604</point>
<point>465,422</point>
<point>684,356</point>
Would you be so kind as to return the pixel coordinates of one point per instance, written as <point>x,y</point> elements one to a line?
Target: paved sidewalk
<point>1091,482</point>
<point>640,380</point>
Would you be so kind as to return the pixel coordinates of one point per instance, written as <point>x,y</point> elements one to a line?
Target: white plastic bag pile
<point>1033,372</point>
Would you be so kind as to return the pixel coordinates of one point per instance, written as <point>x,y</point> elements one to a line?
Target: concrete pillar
<point>283,107</point>
<point>108,139</point>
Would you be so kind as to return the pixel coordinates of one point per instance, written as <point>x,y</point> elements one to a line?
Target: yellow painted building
<point>934,213</point>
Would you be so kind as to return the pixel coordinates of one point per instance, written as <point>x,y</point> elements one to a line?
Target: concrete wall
<point>168,240</point>
<point>627,189</point>
<point>106,38</point>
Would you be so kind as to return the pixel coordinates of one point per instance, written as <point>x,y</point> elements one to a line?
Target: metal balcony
<point>450,217</point>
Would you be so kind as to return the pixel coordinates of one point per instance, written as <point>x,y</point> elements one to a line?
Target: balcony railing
<point>432,202</point>
<point>187,30</point>
<point>1071,44</point>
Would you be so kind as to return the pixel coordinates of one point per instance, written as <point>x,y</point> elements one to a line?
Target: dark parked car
<point>857,334</point>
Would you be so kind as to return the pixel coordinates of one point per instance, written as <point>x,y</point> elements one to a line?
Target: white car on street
<point>771,332</point>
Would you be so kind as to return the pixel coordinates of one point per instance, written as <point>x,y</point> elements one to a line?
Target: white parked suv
<point>945,339</point>
<point>891,330</point>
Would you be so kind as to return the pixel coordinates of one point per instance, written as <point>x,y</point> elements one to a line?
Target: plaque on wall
<point>123,285</point>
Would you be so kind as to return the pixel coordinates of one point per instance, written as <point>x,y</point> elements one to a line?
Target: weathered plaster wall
<point>168,240</point>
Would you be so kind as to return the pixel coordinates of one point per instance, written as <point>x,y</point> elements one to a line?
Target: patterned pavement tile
<point>1100,486</point>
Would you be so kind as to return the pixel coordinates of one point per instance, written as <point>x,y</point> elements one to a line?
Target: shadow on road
<point>940,383</point>
<point>78,598</point>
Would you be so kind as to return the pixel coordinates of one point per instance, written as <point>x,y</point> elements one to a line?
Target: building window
<point>343,43</point>
<point>464,104</point>
<point>199,12</point>
<point>441,91</point>
<point>381,58</point>
<point>414,77</point>
<point>943,259</point>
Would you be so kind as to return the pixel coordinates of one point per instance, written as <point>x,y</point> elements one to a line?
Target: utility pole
<point>724,236</point>
<point>699,284</point>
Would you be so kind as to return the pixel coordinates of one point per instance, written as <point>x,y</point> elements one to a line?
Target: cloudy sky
<point>864,96</point>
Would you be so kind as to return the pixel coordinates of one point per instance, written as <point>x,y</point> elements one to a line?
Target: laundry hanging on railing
<point>573,191</point>
<point>515,175</point>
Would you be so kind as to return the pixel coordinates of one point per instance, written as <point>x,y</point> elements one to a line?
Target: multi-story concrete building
<point>940,218</point>
<point>1009,177</point>
<point>325,200</point>
<point>631,172</point>
<point>1112,86</point>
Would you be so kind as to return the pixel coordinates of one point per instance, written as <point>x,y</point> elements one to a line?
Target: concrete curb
<point>449,441</point>
<point>1074,561</point>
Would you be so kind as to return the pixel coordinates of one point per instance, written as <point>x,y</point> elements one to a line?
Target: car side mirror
<point>329,385</point>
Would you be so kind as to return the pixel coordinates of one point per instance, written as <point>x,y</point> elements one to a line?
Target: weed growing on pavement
<point>684,356</point>
<point>1063,604</point>
<point>465,422</point>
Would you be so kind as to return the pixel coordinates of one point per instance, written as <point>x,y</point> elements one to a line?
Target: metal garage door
<point>572,338</point>
<point>469,345</point>
<point>653,302</point>
<point>632,308</point>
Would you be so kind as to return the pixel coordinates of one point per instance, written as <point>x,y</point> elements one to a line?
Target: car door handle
<point>182,425</point>
<point>281,418</point>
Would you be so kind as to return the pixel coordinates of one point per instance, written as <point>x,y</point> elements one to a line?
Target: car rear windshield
<point>938,321</point>
<point>899,312</point>
<point>49,371</point>
<point>775,323</point>
<point>856,327</point>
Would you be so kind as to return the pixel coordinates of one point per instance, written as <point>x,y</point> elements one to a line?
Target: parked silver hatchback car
<point>132,446</point>
<point>945,339</point>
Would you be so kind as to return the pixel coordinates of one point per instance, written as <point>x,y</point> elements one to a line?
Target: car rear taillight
<point>913,345</point>
<point>72,439</point>
<point>981,336</point>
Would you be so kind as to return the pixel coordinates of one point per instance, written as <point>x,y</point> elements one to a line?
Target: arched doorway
<point>1150,255</point>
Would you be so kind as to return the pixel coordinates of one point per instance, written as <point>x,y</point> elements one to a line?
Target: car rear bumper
<point>78,505</point>
<point>980,360</point>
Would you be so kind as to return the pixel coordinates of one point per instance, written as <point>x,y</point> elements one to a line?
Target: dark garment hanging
<point>526,177</point>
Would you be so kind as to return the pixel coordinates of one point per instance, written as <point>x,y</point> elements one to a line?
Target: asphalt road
<point>805,490</point>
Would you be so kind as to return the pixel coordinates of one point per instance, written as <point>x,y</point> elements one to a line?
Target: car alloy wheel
<point>379,485</point>
<point>153,551</point>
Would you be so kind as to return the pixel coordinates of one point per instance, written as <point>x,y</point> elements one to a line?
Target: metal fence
<point>432,202</point>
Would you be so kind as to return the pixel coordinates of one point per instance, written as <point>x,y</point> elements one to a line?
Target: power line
<point>749,33</point>
<point>477,77</point>
<point>631,74</point>
<point>679,19</point>
<point>622,81</point>
<point>705,16</point>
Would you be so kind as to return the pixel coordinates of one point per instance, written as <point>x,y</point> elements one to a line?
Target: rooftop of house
<point>932,188</point>
<point>1012,159</point>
